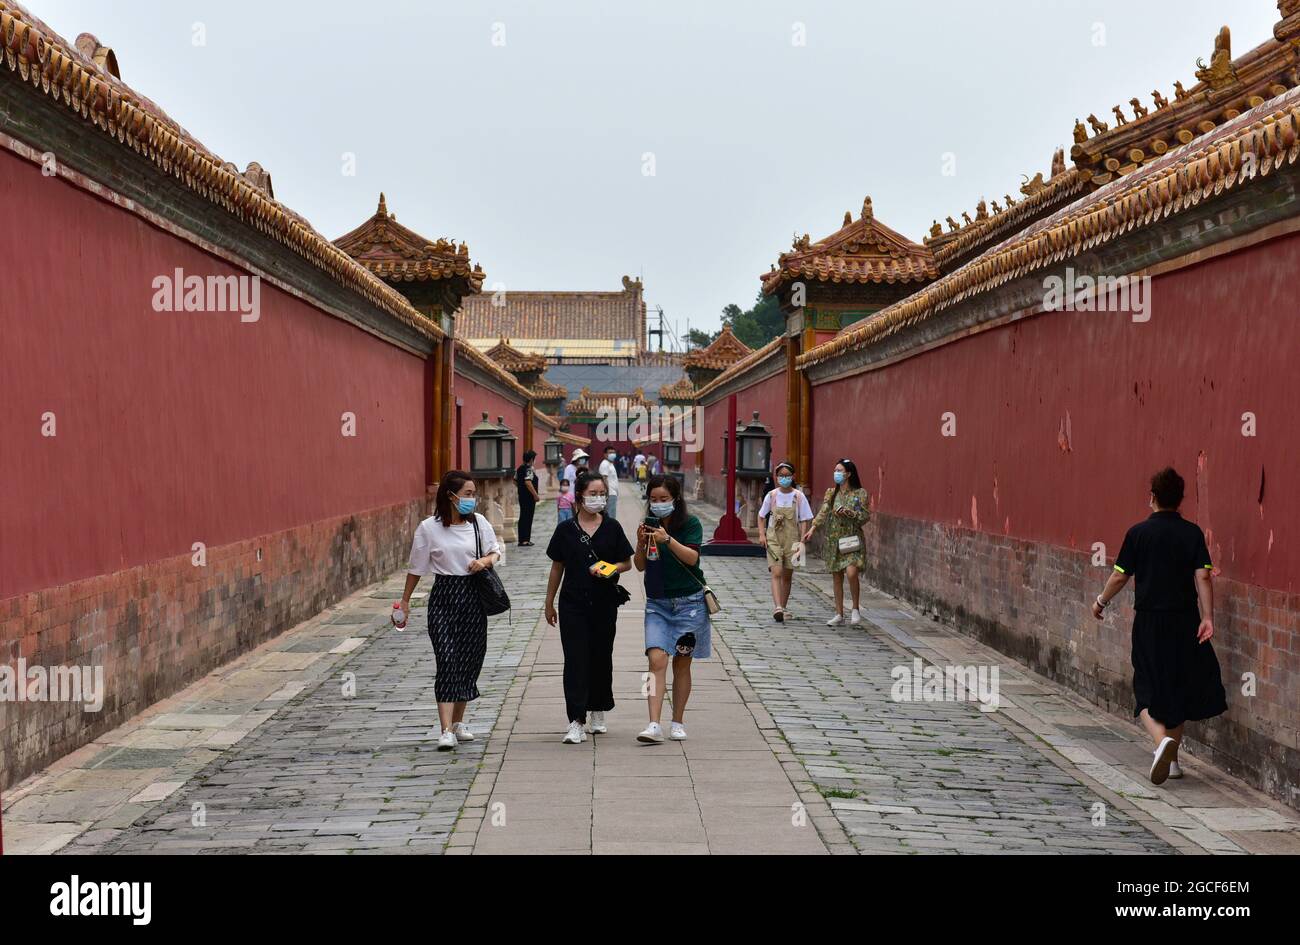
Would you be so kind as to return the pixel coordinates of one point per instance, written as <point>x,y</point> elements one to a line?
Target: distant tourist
<point>610,474</point>
<point>1176,676</point>
<point>845,508</point>
<point>564,503</point>
<point>640,471</point>
<point>577,463</point>
<point>782,519</point>
<point>453,544</point>
<point>582,551</point>
<point>526,482</point>
<point>676,618</point>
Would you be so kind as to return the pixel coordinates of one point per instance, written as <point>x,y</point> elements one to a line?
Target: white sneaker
<point>447,740</point>
<point>1163,758</point>
<point>1174,770</point>
<point>596,722</point>
<point>854,616</point>
<point>653,734</point>
<point>462,732</point>
<point>835,621</point>
<point>785,612</point>
<point>575,735</point>
<point>677,732</point>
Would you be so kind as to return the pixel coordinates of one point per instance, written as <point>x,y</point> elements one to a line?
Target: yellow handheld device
<point>605,569</point>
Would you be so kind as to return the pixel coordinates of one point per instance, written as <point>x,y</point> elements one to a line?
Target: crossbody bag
<point>621,595</point>
<point>711,603</point>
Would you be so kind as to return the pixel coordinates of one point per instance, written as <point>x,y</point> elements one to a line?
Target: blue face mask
<point>466,506</point>
<point>661,509</point>
<point>839,477</point>
<point>785,482</point>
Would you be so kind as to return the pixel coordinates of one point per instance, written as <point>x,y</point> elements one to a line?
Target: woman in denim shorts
<point>676,618</point>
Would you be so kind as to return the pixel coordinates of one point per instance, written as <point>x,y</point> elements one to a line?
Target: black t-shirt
<point>569,548</point>
<point>522,475</point>
<point>1163,555</point>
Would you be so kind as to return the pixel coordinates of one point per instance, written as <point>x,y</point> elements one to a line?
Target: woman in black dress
<point>588,604</point>
<point>526,481</point>
<point>1176,676</point>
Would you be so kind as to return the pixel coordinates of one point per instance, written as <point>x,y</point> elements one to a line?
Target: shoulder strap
<point>478,544</point>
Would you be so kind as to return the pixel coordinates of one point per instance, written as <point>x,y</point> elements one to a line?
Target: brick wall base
<point>159,627</point>
<point>1031,601</point>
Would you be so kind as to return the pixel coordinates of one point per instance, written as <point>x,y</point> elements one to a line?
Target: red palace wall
<point>768,397</point>
<point>175,428</point>
<point>1060,421</point>
<point>475,400</point>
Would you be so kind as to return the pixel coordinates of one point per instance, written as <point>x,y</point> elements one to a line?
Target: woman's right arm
<point>553,585</point>
<point>642,542</point>
<point>820,517</point>
<point>411,581</point>
<point>417,566</point>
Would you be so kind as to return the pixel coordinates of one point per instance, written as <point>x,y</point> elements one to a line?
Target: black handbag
<point>491,592</point>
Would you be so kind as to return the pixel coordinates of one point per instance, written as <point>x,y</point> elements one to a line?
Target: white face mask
<point>594,503</point>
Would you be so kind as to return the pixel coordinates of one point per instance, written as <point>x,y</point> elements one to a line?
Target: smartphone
<point>605,569</point>
<point>652,522</point>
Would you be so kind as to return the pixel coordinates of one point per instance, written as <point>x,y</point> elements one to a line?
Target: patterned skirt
<point>458,630</point>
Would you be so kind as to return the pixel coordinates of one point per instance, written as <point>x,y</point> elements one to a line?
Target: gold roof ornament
<point>936,229</point>
<point>1098,126</point>
<point>1119,117</point>
<point>1058,162</point>
<point>1080,132</point>
<point>1220,73</point>
<point>1031,187</point>
<point>1160,100</point>
<point>867,212</point>
<point>1139,110</point>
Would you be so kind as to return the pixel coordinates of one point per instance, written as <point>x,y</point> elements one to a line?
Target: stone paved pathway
<point>796,746</point>
<point>270,754</point>
<point>1046,772</point>
<point>720,791</point>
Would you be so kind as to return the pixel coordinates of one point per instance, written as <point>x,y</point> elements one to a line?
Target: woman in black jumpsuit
<point>588,604</point>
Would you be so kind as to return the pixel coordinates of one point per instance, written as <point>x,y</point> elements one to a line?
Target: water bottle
<point>399,617</point>
<point>652,551</point>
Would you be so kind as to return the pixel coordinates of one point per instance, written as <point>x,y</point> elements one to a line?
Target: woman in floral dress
<point>845,509</point>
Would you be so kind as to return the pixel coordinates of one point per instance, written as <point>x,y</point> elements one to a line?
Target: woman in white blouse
<point>453,544</point>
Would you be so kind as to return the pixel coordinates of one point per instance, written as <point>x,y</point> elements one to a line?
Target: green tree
<point>699,338</point>
<point>758,325</point>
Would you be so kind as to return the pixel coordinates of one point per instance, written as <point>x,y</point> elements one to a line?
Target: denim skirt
<point>679,626</point>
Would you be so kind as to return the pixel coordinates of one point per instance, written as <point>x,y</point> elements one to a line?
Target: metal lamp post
<point>729,537</point>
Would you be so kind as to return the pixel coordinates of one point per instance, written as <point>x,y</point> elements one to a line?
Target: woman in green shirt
<point>676,617</point>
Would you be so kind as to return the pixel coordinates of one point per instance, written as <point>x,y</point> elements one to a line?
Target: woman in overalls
<point>846,507</point>
<point>788,509</point>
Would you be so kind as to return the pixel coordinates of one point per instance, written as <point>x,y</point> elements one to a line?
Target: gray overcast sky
<point>532,151</point>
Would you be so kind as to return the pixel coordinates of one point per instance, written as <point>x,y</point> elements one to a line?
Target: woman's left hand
<point>478,564</point>
<point>660,535</point>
